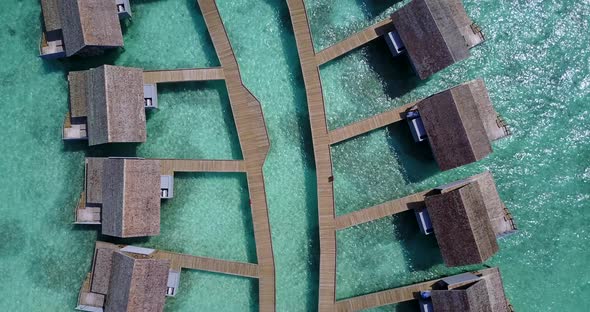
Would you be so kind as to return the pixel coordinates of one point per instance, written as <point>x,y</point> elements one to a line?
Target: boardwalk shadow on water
<point>415,158</point>
<point>421,251</point>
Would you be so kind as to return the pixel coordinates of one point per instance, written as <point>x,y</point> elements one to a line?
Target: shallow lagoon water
<point>535,64</point>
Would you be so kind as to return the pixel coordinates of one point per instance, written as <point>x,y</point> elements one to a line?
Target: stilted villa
<point>129,278</point>
<point>459,123</point>
<point>81,27</point>
<point>107,105</point>
<point>435,34</point>
<point>123,195</point>
<point>469,292</point>
<point>466,217</point>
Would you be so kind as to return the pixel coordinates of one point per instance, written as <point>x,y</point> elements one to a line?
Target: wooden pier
<point>251,128</point>
<point>182,75</point>
<point>380,211</point>
<point>170,166</point>
<point>355,41</point>
<point>369,124</point>
<point>182,261</point>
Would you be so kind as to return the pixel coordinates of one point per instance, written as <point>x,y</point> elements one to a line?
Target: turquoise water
<point>535,64</point>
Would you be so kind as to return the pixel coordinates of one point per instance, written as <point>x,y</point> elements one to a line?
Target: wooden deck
<point>380,211</point>
<point>321,146</point>
<point>254,142</point>
<point>354,41</point>
<point>182,261</point>
<point>182,75</point>
<point>369,124</point>
<point>170,166</point>
<point>391,296</point>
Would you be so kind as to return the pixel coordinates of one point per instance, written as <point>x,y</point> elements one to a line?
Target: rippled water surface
<point>535,64</point>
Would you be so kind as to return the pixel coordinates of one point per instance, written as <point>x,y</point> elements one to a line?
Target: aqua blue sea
<point>535,64</point>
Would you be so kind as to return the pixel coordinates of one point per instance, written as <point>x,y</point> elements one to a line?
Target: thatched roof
<point>454,126</point>
<point>137,284</point>
<point>495,288</point>
<point>131,197</point>
<point>94,174</point>
<point>472,298</point>
<point>90,23</point>
<point>78,83</point>
<point>101,271</point>
<point>494,206</point>
<point>432,34</point>
<point>462,226</point>
<point>51,15</point>
<point>116,111</point>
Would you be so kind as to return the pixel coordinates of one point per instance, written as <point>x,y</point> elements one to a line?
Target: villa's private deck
<point>182,75</point>
<point>355,41</point>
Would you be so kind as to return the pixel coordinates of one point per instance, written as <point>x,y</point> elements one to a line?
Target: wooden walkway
<point>170,166</point>
<point>369,124</point>
<point>356,40</point>
<point>391,296</point>
<point>182,261</point>
<point>182,75</point>
<point>321,147</point>
<point>380,211</point>
<point>253,136</point>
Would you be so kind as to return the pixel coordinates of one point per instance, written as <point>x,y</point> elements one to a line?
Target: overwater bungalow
<point>466,217</point>
<point>481,290</point>
<point>81,27</point>
<point>459,124</point>
<point>127,278</point>
<point>434,34</point>
<point>467,292</point>
<point>107,105</point>
<point>123,195</point>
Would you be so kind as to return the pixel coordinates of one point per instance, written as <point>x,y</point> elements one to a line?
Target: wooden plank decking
<point>369,124</point>
<point>382,298</point>
<point>251,127</point>
<point>380,211</point>
<point>321,146</point>
<point>169,166</point>
<point>183,75</point>
<point>354,41</point>
<point>182,261</point>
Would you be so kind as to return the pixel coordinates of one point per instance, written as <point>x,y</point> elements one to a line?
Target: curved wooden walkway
<point>182,75</point>
<point>251,128</point>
